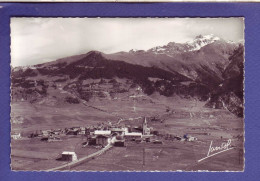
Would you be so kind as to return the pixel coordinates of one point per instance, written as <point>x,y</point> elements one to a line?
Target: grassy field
<point>33,154</point>
<point>186,116</point>
<point>171,156</point>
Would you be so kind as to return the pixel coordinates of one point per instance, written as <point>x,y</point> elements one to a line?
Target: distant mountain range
<point>207,68</point>
<point>204,59</point>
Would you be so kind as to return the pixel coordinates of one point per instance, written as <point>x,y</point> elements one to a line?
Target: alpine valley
<point>207,69</point>
<point>187,95</point>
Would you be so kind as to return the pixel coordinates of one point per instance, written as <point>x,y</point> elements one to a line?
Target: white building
<point>69,156</point>
<point>16,136</point>
<point>102,132</point>
<point>82,130</point>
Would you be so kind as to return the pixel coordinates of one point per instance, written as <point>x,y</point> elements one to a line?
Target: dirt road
<point>71,164</point>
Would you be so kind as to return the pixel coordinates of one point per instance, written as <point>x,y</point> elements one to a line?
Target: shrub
<point>72,100</point>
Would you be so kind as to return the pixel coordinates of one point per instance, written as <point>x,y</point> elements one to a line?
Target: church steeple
<point>145,128</point>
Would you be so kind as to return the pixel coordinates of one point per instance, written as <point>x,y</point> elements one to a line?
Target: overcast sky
<point>38,40</point>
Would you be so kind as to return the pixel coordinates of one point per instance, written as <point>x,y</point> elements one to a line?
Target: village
<point>101,135</point>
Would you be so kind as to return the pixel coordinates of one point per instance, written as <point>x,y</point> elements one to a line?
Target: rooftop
<point>133,134</point>
<point>68,153</point>
<point>102,132</point>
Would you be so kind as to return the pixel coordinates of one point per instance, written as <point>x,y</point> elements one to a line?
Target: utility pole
<point>143,156</point>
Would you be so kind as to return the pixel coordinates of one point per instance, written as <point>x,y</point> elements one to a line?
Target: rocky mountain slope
<point>230,93</point>
<point>195,69</point>
<point>203,60</point>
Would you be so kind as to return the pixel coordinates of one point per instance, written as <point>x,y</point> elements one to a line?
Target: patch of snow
<point>201,41</point>
<point>152,79</point>
<point>231,42</point>
<point>160,49</point>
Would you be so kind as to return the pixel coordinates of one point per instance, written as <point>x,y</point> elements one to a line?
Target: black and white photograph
<point>127,94</point>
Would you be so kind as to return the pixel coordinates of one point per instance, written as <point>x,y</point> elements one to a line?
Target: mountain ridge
<point>196,73</point>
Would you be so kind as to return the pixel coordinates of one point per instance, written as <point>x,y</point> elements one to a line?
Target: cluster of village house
<point>102,135</point>
<point>98,135</point>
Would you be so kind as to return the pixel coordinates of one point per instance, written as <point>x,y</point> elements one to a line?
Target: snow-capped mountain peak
<point>193,45</point>
<point>201,41</point>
